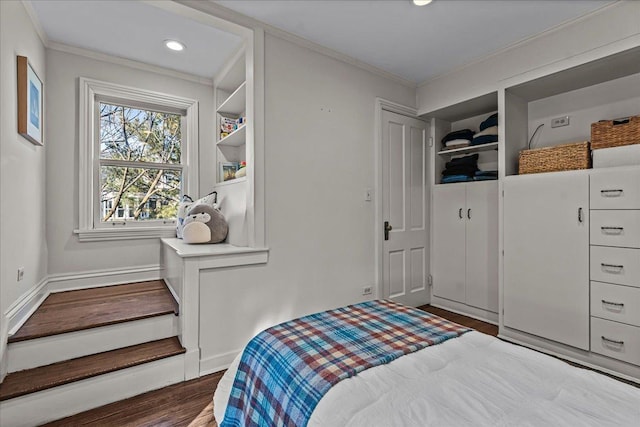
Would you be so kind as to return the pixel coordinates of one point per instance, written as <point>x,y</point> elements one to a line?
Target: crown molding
<point>87,53</point>
<point>227,14</point>
<point>520,43</point>
<point>28,6</point>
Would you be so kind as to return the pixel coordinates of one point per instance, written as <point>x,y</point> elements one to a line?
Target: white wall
<point>22,176</point>
<point>617,24</point>
<point>66,254</point>
<point>319,160</point>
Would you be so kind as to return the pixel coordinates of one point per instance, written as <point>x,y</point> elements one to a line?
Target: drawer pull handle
<point>617,304</point>
<point>608,266</point>
<point>580,218</point>
<point>605,339</point>
<point>460,213</point>
<point>611,193</point>
<point>612,230</point>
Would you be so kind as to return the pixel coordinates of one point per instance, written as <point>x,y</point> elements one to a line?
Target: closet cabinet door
<point>448,270</point>
<point>482,245</point>
<point>546,256</point>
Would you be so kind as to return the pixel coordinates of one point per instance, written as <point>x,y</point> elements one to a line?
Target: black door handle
<point>387,229</point>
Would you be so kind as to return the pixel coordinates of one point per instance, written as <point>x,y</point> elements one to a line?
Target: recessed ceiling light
<point>174,45</point>
<point>421,2</point>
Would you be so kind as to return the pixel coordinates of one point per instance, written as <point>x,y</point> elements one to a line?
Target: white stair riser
<point>29,354</point>
<point>69,399</point>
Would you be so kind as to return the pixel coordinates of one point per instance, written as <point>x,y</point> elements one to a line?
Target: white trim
<point>218,362</point>
<point>36,22</point>
<point>117,60</point>
<point>246,21</point>
<point>465,310</point>
<point>90,91</point>
<point>26,305</point>
<point>381,105</point>
<point>104,277</point>
<point>43,351</point>
<point>65,400</point>
<point>518,44</point>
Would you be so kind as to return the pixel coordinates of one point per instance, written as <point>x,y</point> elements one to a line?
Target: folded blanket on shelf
<point>466,160</point>
<point>457,143</point>
<point>469,171</point>
<point>493,130</point>
<point>485,178</point>
<point>487,173</point>
<point>490,121</point>
<point>455,178</point>
<point>459,134</point>
<point>485,139</point>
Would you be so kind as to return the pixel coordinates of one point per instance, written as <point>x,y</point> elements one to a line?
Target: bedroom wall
<point>22,176</point>
<point>319,158</point>
<point>615,27</point>
<point>67,255</point>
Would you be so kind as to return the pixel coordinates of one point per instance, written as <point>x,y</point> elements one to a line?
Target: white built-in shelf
<point>232,181</point>
<point>470,149</point>
<point>236,138</point>
<point>234,105</point>
<point>234,75</point>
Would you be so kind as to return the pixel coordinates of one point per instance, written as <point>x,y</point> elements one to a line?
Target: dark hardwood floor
<point>90,308</point>
<point>190,403</point>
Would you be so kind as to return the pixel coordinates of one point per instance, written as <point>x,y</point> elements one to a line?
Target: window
<point>138,156</point>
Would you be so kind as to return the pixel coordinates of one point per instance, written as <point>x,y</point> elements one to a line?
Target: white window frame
<point>92,92</point>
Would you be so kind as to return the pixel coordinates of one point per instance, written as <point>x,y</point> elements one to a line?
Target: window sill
<point>106,234</point>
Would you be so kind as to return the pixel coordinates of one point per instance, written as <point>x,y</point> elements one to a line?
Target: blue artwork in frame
<point>30,117</point>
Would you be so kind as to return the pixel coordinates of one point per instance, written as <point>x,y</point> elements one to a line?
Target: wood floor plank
<point>31,380</point>
<point>470,322</point>
<point>90,308</point>
<point>178,405</point>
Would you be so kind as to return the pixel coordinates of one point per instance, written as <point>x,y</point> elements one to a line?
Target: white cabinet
<point>465,243</point>
<point>546,256</point>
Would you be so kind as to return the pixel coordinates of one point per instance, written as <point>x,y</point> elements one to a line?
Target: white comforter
<point>473,380</point>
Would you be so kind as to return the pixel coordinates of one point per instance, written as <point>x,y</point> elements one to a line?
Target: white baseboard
<point>69,399</point>
<point>32,353</point>
<point>99,278</point>
<point>217,363</point>
<point>26,305</point>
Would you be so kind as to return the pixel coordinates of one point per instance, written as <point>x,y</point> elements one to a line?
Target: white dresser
<point>615,264</point>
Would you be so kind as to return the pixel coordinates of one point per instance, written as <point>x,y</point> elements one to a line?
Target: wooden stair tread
<point>90,308</point>
<point>37,379</point>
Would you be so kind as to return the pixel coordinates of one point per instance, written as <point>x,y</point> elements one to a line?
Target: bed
<point>470,379</point>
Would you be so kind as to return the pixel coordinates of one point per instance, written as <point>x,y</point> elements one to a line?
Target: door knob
<point>387,229</point>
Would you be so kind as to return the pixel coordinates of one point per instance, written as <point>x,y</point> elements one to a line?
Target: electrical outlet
<point>367,290</point>
<point>20,273</point>
<point>560,121</point>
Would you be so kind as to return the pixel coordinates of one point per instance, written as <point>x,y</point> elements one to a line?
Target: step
<point>37,379</point>
<point>70,311</point>
<point>67,388</point>
<point>42,351</point>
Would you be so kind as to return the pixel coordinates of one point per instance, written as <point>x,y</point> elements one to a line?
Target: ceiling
<point>416,43</point>
<point>136,31</point>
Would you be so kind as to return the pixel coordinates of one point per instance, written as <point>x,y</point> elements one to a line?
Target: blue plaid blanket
<point>285,370</point>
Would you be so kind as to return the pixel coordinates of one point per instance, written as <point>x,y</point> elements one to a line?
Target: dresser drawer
<point>615,189</point>
<point>615,265</point>
<point>615,340</point>
<point>615,228</point>
<point>615,302</point>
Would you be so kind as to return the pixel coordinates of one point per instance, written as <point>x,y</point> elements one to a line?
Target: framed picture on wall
<point>29,102</point>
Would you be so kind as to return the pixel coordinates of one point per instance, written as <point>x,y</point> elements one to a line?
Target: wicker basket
<point>614,133</point>
<point>552,159</point>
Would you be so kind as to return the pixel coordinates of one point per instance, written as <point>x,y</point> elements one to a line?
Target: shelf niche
<point>466,114</point>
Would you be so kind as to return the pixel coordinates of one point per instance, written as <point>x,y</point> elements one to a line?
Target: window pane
<point>134,194</point>
<point>128,133</point>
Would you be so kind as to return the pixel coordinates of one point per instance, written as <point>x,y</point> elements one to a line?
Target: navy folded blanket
<point>484,139</point>
<point>492,120</point>
<point>459,134</point>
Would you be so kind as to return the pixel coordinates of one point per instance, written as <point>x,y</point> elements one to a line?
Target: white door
<point>482,245</point>
<point>449,217</point>
<point>546,256</point>
<point>405,209</point>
